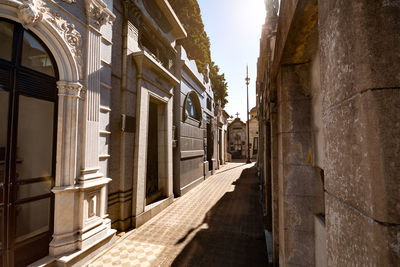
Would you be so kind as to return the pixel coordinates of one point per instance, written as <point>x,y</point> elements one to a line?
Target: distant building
<point>237,139</point>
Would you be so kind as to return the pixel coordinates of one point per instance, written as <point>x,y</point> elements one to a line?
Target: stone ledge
<point>191,154</point>
<point>151,210</point>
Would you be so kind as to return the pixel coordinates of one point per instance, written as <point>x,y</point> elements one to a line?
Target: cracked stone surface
<point>218,223</point>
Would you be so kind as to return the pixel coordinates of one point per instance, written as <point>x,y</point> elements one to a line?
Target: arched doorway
<point>28,105</point>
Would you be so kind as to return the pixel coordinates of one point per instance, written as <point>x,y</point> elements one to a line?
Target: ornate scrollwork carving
<point>33,11</point>
<point>70,35</point>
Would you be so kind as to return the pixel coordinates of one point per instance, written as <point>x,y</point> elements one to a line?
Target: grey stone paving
<point>218,223</point>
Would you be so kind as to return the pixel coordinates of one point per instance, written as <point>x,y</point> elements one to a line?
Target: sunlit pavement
<point>218,223</point>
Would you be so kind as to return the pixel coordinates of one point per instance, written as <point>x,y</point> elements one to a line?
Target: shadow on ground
<point>232,231</point>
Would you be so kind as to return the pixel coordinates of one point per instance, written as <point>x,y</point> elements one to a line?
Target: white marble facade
<point>79,36</point>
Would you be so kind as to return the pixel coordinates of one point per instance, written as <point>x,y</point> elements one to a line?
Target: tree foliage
<point>197,45</point>
<point>219,84</point>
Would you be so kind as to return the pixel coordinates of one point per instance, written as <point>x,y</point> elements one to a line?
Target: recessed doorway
<point>157,155</point>
<point>152,186</point>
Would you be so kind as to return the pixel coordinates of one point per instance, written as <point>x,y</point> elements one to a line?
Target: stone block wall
<point>335,68</point>
<point>300,188</point>
<point>358,42</point>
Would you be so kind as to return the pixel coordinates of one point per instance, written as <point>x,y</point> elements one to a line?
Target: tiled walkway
<point>218,223</point>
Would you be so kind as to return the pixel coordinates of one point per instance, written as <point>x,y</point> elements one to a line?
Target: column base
<point>80,221</point>
<point>79,257</point>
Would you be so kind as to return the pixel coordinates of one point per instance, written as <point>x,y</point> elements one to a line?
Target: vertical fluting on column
<point>90,168</point>
<point>69,96</point>
<point>67,128</point>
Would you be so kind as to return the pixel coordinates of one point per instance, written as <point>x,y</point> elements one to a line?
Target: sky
<point>234,28</point>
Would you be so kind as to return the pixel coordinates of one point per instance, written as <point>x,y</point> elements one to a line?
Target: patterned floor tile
<point>218,223</point>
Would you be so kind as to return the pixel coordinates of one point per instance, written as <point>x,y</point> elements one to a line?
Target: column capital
<point>70,89</point>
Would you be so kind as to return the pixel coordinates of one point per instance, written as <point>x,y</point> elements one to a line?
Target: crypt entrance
<point>28,104</point>
<point>156,181</point>
<point>152,184</point>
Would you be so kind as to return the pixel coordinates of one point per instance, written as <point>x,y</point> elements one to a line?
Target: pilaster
<point>69,95</point>
<point>81,219</point>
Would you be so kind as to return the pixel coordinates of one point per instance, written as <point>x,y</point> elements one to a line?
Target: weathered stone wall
<point>336,72</point>
<point>360,90</point>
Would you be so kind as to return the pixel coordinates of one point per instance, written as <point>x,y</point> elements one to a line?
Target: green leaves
<point>197,45</point>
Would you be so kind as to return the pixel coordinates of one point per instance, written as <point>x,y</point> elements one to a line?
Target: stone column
<point>69,94</point>
<point>360,81</point>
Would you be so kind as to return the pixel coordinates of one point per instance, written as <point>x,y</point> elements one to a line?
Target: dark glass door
<point>28,104</point>
<point>152,191</point>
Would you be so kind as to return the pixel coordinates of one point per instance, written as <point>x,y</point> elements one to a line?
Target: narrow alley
<point>218,223</point>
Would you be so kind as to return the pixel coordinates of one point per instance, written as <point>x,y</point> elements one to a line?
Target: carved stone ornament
<point>70,89</point>
<point>272,8</point>
<point>30,12</point>
<point>70,35</point>
<point>98,13</point>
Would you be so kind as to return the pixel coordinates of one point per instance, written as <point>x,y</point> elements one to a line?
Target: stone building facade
<point>89,86</point>
<point>143,80</point>
<point>55,67</point>
<point>328,103</point>
<point>237,133</point>
<point>222,134</point>
<point>191,125</point>
<point>210,134</point>
<point>253,133</point>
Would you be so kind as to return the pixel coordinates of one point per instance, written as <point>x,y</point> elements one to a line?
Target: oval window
<point>192,106</point>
